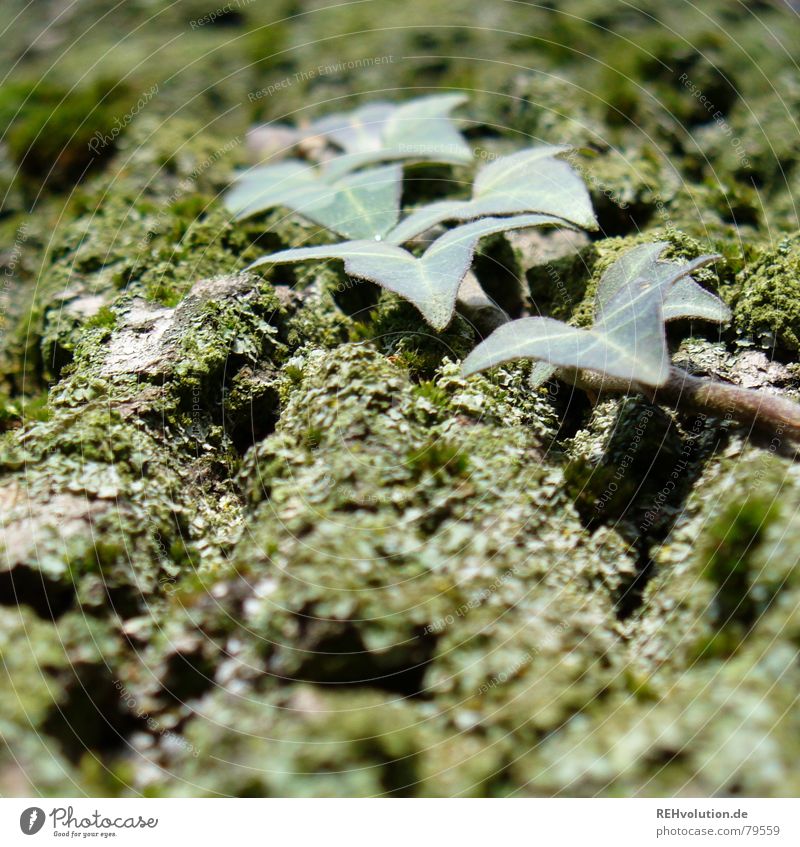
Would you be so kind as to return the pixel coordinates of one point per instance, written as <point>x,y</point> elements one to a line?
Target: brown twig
<point>768,413</point>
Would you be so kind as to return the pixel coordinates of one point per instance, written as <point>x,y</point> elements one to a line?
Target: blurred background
<point>598,72</point>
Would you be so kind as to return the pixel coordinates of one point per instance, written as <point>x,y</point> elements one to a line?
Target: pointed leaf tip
<point>430,282</point>
<point>684,297</point>
<point>634,298</point>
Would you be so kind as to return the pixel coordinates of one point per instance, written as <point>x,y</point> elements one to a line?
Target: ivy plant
<point>354,189</point>
<point>364,204</point>
<point>627,341</point>
<point>626,349</point>
<point>356,197</point>
<point>430,281</point>
<point>335,193</point>
<point>683,297</point>
<point>421,130</point>
<point>533,180</point>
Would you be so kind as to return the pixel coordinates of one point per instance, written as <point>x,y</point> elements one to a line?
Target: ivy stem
<point>766,412</point>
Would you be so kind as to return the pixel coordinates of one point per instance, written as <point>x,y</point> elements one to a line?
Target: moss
<point>60,688</point>
<point>397,329</point>
<point>762,143</point>
<point>15,413</point>
<point>205,244</point>
<point>376,750</point>
<point>251,405</point>
<point>98,529</point>
<point>698,739</point>
<point>629,188</point>
<point>720,578</point>
<point>445,528</point>
<point>440,459</point>
<point>640,460</point>
<point>729,544</point>
<point>765,306</point>
<point>104,318</point>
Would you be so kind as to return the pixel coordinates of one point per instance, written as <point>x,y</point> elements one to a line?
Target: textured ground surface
<point>260,538</point>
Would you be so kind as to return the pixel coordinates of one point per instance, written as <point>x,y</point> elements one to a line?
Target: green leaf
<point>426,123</point>
<point>430,282</point>
<point>627,340</point>
<point>420,129</point>
<point>530,181</point>
<point>540,373</point>
<point>685,298</point>
<point>360,205</point>
<point>267,186</point>
<point>358,131</point>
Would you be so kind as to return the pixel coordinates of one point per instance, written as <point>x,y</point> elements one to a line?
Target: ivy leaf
<point>685,298</point>
<point>530,181</point>
<point>627,341</point>
<point>420,129</point>
<point>360,205</point>
<point>540,373</point>
<point>430,282</point>
<point>257,189</point>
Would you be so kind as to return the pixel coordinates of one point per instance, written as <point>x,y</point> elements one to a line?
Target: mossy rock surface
<point>766,303</point>
<point>258,537</point>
